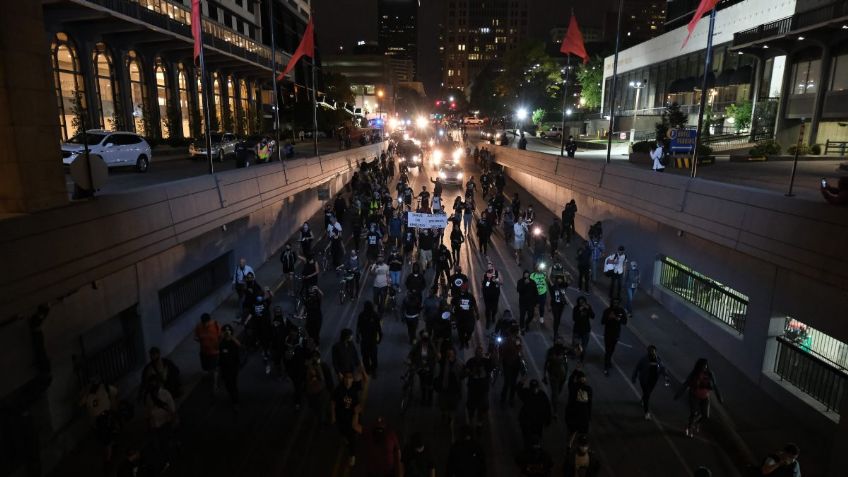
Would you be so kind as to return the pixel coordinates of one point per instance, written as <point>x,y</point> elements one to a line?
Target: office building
<point>397,35</point>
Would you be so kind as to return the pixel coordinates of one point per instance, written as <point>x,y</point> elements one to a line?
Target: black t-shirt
<point>457,280</point>
<point>425,241</point>
<point>373,238</point>
<point>228,358</point>
<point>395,263</point>
<point>346,400</point>
<point>491,287</point>
<point>313,304</point>
<point>409,238</point>
<point>463,305</point>
<point>558,295</point>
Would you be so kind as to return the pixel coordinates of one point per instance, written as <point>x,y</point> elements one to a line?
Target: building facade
<point>127,64</point>
<point>397,35</point>
<point>476,33</point>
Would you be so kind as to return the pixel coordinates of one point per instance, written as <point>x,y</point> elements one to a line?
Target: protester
<point>369,334</point>
<point>578,410</point>
<point>649,370</point>
<point>700,384</point>
<point>465,457</point>
<point>783,462</point>
<point>230,364</point>
<point>580,460</point>
<point>613,319</point>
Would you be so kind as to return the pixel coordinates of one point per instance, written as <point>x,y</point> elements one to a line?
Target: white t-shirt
<point>437,203</point>
<point>519,230</point>
<point>657,156</point>
<point>381,275</point>
<point>334,230</point>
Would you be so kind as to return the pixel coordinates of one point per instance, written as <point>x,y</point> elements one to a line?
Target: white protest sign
<point>427,221</point>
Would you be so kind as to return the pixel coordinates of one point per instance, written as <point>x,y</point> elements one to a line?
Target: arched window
<point>218,101</point>
<point>138,93</point>
<point>67,79</point>
<point>105,82</point>
<point>202,128</point>
<point>162,98</point>
<point>185,111</point>
<point>232,113</point>
<point>245,107</point>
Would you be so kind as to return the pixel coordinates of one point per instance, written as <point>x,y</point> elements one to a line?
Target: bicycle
<point>346,284</point>
<point>323,260</point>
<point>407,388</point>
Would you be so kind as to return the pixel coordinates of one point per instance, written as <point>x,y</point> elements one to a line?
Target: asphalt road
<point>269,438</point>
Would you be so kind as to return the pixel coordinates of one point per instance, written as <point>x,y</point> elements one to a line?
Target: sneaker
<point>541,320</point>
<point>267,369</point>
<point>352,460</point>
<point>647,416</point>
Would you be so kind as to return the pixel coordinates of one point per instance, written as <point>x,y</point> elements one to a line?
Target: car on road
<point>551,132</point>
<point>487,134</point>
<point>255,149</point>
<point>409,153</point>
<point>451,174</point>
<point>499,138</point>
<point>117,148</point>
<point>472,121</point>
<point>223,145</point>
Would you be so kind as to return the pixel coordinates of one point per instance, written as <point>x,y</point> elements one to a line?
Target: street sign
<point>89,175</point>
<point>427,221</point>
<point>683,139</point>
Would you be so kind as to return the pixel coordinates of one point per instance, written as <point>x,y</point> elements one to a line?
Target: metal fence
<point>178,297</point>
<point>109,363</point>
<point>814,376</point>
<point>719,301</point>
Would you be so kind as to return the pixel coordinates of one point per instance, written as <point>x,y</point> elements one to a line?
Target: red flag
<point>704,7</point>
<point>573,41</point>
<point>306,48</point>
<point>196,27</point>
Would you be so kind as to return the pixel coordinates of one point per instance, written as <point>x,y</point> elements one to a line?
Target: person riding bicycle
<point>373,241</point>
<point>506,325</point>
<point>353,266</point>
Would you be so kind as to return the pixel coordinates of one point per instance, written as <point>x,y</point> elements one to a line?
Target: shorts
<point>518,244</point>
<point>426,255</point>
<point>208,362</point>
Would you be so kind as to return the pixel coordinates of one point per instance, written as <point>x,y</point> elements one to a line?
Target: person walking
<point>456,241</point>
<point>556,372</point>
<point>344,412</point>
<point>294,355</point>
<point>648,371</point>
<point>612,319</point>
<point>448,384</point>
<point>345,357</point>
<point>478,372</point>
<point>581,461</point>
<point>239,279</point>
<point>555,230</point>
<point>306,238</point>
<point>559,298</point>
<point>369,334</point>
<point>582,317</point>
<point>700,384</point>
<point>411,307</point>
<point>381,451</point>
<point>464,308</point>
<point>519,234</point>
<point>230,364</point>
<point>465,457</point>
<point>783,463</point>
<point>541,280</point>
<point>569,212</point>
<point>657,157</point>
<point>484,233</point>
<point>528,298</point>
<point>382,280</point>
<point>314,314</point>
<point>535,461</point>
<point>535,413</point>
<point>570,146</point>
<point>161,414</point>
<point>614,269</point>
<point>631,282</point>
<point>578,410</point>
<point>597,248</point>
<point>208,334</point>
<point>491,288</point>
<point>417,459</point>
<point>584,268</point>
<point>422,360</point>
<point>318,385</point>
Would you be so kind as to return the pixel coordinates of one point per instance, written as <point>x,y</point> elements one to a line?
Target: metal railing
<point>815,377</point>
<point>719,301</point>
<point>178,297</point>
<point>766,30</point>
<point>110,363</point>
<point>802,20</point>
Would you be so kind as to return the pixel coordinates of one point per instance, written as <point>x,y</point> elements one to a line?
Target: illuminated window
<point>138,93</point>
<point>473,57</point>
<point>218,106</point>
<point>68,83</point>
<point>185,116</point>
<point>460,47</point>
<point>105,82</point>
<point>450,73</point>
<point>232,113</point>
<point>245,107</point>
<point>162,98</point>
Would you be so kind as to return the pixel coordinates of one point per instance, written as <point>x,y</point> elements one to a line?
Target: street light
<point>451,99</point>
<point>521,115</point>
<point>638,86</point>
<point>421,122</point>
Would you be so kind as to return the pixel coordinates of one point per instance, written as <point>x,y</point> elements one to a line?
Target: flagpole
<point>274,81</point>
<point>707,66</point>
<point>614,80</point>
<point>314,112</point>
<point>564,96</point>
<point>205,99</point>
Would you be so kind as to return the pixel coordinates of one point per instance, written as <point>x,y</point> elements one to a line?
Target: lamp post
<point>380,95</point>
<point>521,115</point>
<point>638,86</point>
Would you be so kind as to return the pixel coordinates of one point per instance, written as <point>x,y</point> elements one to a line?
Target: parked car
<point>472,121</point>
<point>551,132</point>
<point>451,174</point>
<point>117,148</point>
<point>223,145</point>
<point>487,134</point>
<point>254,150</point>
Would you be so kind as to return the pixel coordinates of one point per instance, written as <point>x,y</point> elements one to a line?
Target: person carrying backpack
<point>700,383</point>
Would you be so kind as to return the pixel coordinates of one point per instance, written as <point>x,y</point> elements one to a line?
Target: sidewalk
<point>749,424</point>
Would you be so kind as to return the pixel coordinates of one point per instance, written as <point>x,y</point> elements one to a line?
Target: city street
<point>268,437</point>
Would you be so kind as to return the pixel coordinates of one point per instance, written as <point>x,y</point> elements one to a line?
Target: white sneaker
<point>541,320</point>
<point>647,416</point>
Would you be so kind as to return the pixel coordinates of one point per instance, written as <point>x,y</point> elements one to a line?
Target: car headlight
<point>416,159</point>
<point>443,175</point>
<point>437,155</point>
<point>457,154</point>
<point>459,175</point>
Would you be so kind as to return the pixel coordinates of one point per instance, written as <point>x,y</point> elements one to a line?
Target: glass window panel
<point>813,76</point>
<point>839,81</point>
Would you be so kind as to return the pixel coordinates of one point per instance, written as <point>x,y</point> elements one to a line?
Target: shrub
<point>803,150</point>
<point>816,149</point>
<point>643,146</point>
<point>765,148</point>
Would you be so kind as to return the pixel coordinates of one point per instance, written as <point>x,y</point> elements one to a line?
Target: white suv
<point>117,148</point>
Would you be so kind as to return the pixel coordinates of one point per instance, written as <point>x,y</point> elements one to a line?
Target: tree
<point>79,111</point>
<point>590,76</point>
<point>530,76</point>
<point>672,118</point>
<point>117,121</point>
<point>741,114</point>
<point>485,95</point>
<point>538,116</point>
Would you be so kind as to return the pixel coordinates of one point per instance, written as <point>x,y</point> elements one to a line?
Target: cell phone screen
<point>824,182</point>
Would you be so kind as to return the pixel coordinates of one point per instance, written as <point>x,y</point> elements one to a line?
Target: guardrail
<point>708,295</point>
<point>110,363</point>
<point>813,376</point>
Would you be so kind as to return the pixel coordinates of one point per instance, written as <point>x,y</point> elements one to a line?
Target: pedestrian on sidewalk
<point>465,457</point>
<point>559,299</point>
<point>614,269</point>
<point>582,317</point>
<point>783,463</point>
<point>314,315</point>
<point>584,267</point>
<point>230,364</point>
<point>417,459</point>
<point>318,384</point>
<point>578,410</point>
<point>581,461</point>
<point>369,334</point>
<point>700,384</point>
<point>528,297</point>
<point>535,413</point>
<point>648,371</point>
<point>613,319</point>
<point>345,357</point>
<point>239,279</point>
<point>569,212</point>
<point>658,157</point>
<point>345,408</point>
<point>208,334</point>
<point>631,281</point>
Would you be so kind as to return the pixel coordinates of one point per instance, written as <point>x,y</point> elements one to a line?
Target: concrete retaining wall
<point>787,255</point>
<point>90,261</point>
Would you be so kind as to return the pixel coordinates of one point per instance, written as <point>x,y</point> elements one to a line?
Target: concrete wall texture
<point>90,261</point>
<point>785,254</point>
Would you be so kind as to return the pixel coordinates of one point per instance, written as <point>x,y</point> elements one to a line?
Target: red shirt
<point>208,335</point>
<point>380,456</point>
